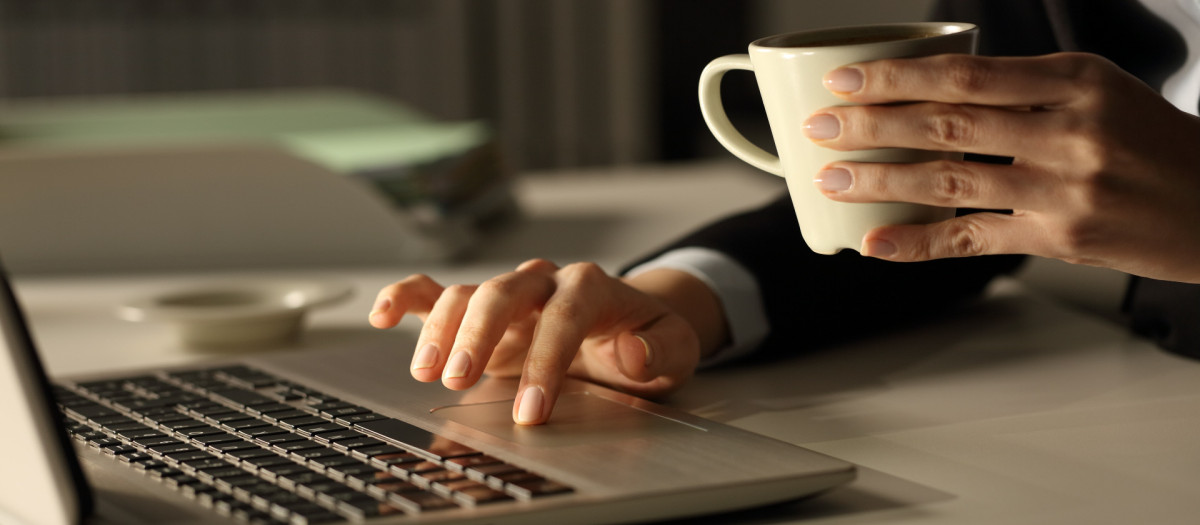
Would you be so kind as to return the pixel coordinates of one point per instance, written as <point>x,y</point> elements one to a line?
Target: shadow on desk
<point>998,357</point>
<point>841,501</point>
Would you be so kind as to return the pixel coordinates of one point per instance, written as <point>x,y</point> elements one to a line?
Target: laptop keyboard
<point>254,447</point>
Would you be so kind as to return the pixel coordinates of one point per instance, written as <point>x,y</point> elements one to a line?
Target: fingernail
<point>646,345</point>
<point>458,366</point>
<point>381,306</point>
<point>833,179</point>
<point>426,357</point>
<point>878,248</point>
<point>530,409</point>
<point>822,127</point>
<point>844,80</point>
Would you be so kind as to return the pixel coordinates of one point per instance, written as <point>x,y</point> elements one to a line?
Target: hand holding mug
<point>1106,171</point>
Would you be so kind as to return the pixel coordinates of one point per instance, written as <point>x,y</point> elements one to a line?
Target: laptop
<point>319,438</point>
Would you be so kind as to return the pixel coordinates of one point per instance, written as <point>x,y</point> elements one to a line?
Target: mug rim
<point>797,39</point>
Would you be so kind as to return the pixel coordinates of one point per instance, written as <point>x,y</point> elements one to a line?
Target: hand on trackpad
<point>579,418</point>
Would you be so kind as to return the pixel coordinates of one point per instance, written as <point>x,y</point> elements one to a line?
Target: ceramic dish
<point>236,314</point>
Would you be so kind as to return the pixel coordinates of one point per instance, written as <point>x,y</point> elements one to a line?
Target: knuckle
<point>952,127</point>
<point>966,74</point>
<point>502,286</point>
<point>965,238</point>
<point>537,264</point>
<point>1084,68</point>
<point>582,275</point>
<point>458,291</point>
<point>953,183</point>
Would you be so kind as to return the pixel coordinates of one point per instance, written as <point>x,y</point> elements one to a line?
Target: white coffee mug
<point>789,69</point>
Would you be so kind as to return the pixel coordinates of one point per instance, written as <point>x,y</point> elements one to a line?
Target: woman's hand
<point>642,335</point>
<point>1106,171</point>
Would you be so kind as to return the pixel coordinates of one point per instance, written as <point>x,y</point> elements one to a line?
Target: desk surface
<point>1017,409</point>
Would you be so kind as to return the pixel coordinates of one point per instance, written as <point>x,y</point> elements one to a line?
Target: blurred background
<point>562,83</point>
<point>180,135</point>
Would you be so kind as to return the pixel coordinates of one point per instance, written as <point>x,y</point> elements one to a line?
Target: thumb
<point>658,357</point>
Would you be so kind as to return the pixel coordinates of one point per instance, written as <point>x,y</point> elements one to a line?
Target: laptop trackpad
<point>579,419</point>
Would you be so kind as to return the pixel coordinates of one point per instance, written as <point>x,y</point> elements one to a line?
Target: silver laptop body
<point>611,457</point>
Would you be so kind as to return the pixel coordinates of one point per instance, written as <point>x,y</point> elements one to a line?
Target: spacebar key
<point>416,438</point>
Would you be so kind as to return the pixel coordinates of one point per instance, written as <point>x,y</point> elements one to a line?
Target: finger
<point>437,334</point>
<point>1048,80</point>
<point>946,183</point>
<point>567,318</point>
<point>495,305</point>
<point>941,127</point>
<point>415,294</point>
<point>509,356</point>
<point>968,235</point>
<point>656,358</point>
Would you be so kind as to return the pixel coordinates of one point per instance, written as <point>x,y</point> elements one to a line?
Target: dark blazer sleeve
<point>832,298</point>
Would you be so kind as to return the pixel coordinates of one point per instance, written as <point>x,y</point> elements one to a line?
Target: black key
<point>260,431</point>
<point>277,416</point>
<point>474,496</point>
<point>297,446</point>
<point>210,476</point>
<point>421,501</point>
<point>219,437</point>
<point>202,464</point>
<point>183,424</point>
<point>139,433</point>
<point>239,398</point>
<point>466,462</point>
<point>272,472</point>
<point>228,484</point>
<point>108,421</point>
<point>536,488</point>
<point>382,488</point>
<point>139,457</point>
<point>267,461</point>
<point>290,481</point>
<point>333,461</point>
<point>341,472</point>
<point>238,425</point>
<point>330,437</point>
<point>283,392</point>
<point>310,430</point>
<point>227,417</point>
<point>366,453</point>
<point>189,455</point>
<point>151,441</point>
<point>256,452</point>
<point>120,450</point>
<point>300,421</point>
<point>359,441</point>
<point>338,409</point>
<point>269,408</point>
<point>416,438</point>
<point>87,412</point>
<point>355,419</point>
<point>385,461</point>
<point>233,446</point>
<point>314,453</point>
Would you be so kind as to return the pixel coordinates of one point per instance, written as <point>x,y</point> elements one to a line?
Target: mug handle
<point>718,122</point>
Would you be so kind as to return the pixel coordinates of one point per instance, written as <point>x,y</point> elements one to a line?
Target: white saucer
<point>237,314</point>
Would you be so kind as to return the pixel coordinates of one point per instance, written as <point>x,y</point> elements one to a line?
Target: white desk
<point>1015,410</point>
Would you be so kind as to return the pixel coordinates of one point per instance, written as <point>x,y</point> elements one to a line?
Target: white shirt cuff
<point>734,286</point>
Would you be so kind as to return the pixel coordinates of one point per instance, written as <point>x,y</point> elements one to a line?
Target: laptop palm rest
<point>579,418</point>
